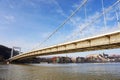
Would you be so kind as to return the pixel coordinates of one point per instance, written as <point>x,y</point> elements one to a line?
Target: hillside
<point>5,52</point>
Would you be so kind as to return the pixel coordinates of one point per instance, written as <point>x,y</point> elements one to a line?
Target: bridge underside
<point>107,41</point>
<point>101,47</point>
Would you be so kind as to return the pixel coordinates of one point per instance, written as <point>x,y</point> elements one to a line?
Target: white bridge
<point>105,41</point>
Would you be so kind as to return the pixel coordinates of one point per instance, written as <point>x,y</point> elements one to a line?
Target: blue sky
<point>26,23</point>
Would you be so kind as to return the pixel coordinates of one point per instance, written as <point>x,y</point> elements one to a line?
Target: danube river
<point>86,71</point>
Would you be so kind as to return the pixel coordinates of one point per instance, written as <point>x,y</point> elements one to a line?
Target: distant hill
<point>5,52</point>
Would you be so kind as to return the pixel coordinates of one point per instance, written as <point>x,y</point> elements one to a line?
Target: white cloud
<point>86,28</point>
<point>9,18</point>
<point>76,4</point>
<point>24,44</point>
<point>59,8</point>
<point>111,15</point>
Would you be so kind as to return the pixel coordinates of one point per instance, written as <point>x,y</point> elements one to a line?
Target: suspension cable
<point>78,8</point>
<point>105,23</point>
<point>93,21</point>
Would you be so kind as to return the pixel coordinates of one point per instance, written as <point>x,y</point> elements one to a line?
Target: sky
<point>26,23</point>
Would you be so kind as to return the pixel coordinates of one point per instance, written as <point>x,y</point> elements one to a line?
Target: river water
<point>86,71</point>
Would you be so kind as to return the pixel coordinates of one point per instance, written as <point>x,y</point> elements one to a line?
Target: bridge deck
<point>104,41</point>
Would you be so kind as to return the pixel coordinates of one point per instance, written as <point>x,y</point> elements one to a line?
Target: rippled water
<point>107,71</point>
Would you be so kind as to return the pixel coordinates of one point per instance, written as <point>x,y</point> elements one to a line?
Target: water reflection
<point>108,71</point>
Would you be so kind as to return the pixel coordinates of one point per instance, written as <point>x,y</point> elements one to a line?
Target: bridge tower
<point>13,48</point>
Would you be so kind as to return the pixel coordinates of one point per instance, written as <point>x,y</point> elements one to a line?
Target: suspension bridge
<point>109,40</point>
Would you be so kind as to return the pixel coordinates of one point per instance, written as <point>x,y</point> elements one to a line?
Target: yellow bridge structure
<point>99,42</point>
